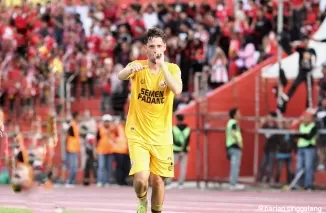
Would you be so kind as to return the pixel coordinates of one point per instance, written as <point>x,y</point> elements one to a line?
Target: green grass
<point>11,210</point>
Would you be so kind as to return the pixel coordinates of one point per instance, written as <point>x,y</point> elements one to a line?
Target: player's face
<point>307,118</point>
<point>155,46</point>
<point>107,124</point>
<point>78,118</point>
<point>238,115</point>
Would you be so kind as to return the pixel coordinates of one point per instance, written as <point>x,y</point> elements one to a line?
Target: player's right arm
<point>130,70</point>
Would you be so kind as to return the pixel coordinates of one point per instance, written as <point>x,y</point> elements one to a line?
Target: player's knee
<point>157,181</point>
<point>140,181</point>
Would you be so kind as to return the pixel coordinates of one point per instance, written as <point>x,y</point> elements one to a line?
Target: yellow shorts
<point>154,158</point>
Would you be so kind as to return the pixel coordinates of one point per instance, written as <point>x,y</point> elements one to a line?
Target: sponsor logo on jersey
<point>151,96</point>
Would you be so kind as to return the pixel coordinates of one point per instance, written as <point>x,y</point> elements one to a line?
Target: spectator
<point>234,148</point>
<point>181,137</point>
<point>106,90</point>
<point>88,126</point>
<point>322,85</point>
<point>104,151</point>
<point>88,67</point>
<point>90,164</point>
<point>246,55</point>
<point>123,56</point>
<point>105,29</point>
<point>181,101</point>
<point>306,150</point>
<point>307,60</point>
<point>270,45</point>
<point>89,122</point>
<point>218,73</point>
<point>119,92</point>
<point>284,155</point>
<point>268,161</point>
<point>150,15</point>
<point>321,142</point>
<point>121,155</point>
<point>73,148</point>
<point>198,55</point>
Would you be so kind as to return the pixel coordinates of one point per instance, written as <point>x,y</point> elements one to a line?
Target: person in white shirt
<point>150,16</point>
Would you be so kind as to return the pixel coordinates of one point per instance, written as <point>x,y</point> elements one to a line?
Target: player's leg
<point>140,158</point>
<point>158,190</point>
<point>141,188</point>
<point>161,167</point>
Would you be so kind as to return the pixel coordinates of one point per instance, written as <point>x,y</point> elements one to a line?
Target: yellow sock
<point>142,196</point>
<point>156,208</point>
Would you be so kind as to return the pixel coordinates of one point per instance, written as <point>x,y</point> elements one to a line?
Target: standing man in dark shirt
<point>268,161</point>
<point>262,26</point>
<point>185,58</point>
<point>90,164</point>
<point>214,37</point>
<point>285,148</point>
<point>136,5</point>
<point>307,60</point>
<point>181,137</point>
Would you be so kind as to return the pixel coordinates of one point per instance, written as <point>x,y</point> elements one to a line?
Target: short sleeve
<point>175,71</point>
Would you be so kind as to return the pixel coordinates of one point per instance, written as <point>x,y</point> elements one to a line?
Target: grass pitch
<point>12,210</point>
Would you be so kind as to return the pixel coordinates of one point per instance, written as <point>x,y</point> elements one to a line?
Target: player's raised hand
<point>135,67</point>
<point>159,59</point>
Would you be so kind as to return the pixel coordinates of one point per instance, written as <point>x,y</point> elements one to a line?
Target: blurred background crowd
<point>43,45</point>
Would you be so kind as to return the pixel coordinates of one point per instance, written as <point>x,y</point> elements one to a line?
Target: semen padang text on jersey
<point>151,96</point>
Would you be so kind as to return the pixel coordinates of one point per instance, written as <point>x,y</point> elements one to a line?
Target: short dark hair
<point>180,117</point>
<point>232,112</point>
<point>154,32</point>
<point>75,115</point>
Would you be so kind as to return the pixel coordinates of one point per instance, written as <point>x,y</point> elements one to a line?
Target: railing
<point>309,88</point>
<point>68,92</point>
<point>52,92</point>
<point>200,83</point>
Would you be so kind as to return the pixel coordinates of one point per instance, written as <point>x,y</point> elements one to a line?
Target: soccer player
<point>154,83</point>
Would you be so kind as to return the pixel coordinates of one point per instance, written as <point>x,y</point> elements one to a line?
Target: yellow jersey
<point>150,110</point>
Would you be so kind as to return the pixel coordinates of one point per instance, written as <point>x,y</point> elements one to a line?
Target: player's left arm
<point>173,78</point>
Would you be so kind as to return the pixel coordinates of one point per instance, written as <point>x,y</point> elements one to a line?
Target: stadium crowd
<point>43,44</point>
